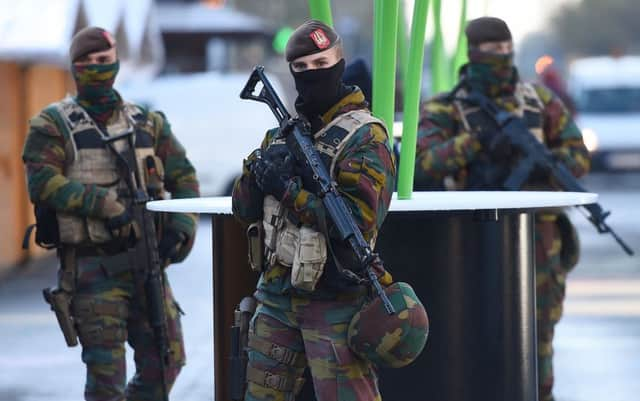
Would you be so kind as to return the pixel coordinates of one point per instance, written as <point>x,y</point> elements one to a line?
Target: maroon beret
<point>90,40</point>
<point>487,29</point>
<point>309,38</point>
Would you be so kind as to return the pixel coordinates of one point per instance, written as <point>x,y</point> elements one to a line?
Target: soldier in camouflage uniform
<point>71,171</point>
<point>304,304</point>
<point>454,151</point>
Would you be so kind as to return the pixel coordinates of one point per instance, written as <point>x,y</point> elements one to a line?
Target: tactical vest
<point>474,120</point>
<point>89,161</point>
<point>288,243</point>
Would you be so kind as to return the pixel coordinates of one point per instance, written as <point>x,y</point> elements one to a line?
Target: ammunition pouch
<point>301,248</point>
<point>309,259</point>
<point>280,235</point>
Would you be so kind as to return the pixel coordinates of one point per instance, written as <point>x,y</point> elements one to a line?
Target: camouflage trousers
<point>109,309</point>
<point>289,334</point>
<point>551,273</point>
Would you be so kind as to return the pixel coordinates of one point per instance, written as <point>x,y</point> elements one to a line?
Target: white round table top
<point>420,201</point>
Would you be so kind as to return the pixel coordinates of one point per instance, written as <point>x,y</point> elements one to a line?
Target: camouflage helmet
<point>390,341</point>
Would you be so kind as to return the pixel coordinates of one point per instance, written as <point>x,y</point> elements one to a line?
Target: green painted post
<point>412,99</point>
<point>460,57</point>
<point>321,11</point>
<point>403,46</point>
<point>384,70</point>
<point>440,80</point>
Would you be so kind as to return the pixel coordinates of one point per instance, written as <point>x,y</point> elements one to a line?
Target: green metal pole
<point>440,80</point>
<point>384,71</point>
<point>411,108</point>
<point>321,11</point>
<point>460,57</point>
<point>403,43</point>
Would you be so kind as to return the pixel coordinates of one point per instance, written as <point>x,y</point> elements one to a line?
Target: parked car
<point>607,95</point>
<point>217,128</point>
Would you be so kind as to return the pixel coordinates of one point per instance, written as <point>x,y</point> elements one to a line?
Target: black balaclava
<point>319,90</point>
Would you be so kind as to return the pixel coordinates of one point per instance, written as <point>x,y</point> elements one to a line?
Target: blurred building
<point>203,36</point>
<point>34,43</point>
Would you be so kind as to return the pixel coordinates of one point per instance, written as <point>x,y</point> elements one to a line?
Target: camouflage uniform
<point>310,328</point>
<point>108,305</point>
<point>448,150</point>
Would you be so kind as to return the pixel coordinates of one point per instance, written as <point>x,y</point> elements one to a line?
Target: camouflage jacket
<point>47,151</point>
<point>365,175</point>
<point>446,149</point>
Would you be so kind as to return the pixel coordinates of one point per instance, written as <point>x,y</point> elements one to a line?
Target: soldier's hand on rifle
<point>309,180</point>
<point>495,144</point>
<point>169,246</point>
<point>274,175</point>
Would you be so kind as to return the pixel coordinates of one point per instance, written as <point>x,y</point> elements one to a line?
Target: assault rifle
<point>535,156</point>
<point>146,248</point>
<point>299,141</point>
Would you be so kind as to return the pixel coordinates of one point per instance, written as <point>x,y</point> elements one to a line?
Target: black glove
<point>275,153</point>
<point>273,176</point>
<point>169,246</point>
<point>495,144</point>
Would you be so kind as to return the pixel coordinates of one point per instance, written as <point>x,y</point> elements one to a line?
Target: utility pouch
<point>255,238</point>
<point>76,230</point>
<point>239,340</point>
<point>46,226</point>
<point>309,259</point>
<point>84,231</point>
<point>60,302</point>
<point>287,242</point>
<point>272,221</point>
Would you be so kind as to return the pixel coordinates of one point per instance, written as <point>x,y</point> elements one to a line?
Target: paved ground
<point>597,342</point>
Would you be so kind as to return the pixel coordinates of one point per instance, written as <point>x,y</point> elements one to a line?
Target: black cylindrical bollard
<point>474,272</point>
